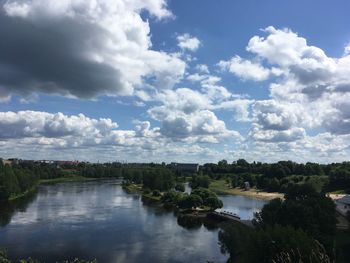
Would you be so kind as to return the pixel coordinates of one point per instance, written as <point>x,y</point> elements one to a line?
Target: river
<point>99,220</point>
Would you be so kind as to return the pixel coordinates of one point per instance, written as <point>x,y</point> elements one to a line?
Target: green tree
<point>276,244</point>
<point>213,203</point>
<point>303,208</point>
<point>200,181</point>
<point>190,201</point>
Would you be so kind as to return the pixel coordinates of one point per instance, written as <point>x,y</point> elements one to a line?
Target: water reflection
<point>195,222</point>
<point>7,210</point>
<point>99,220</point>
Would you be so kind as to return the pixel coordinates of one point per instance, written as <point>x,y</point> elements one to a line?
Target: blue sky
<point>174,80</point>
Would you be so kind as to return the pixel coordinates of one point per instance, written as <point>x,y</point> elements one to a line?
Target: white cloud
<point>312,90</point>
<point>240,108</point>
<point>187,42</point>
<point>202,125</point>
<point>246,69</point>
<point>96,47</point>
<point>186,114</point>
<point>202,68</point>
<point>82,138</point>
<point>347,49</point>
<point>34,124</point>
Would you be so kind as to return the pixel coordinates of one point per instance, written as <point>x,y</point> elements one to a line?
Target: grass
<point>221,187</point>
<point>133,188</point>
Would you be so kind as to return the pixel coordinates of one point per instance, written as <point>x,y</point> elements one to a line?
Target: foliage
<point>156,193</point>
<point>4,259</point>
<point>200,181</point>
<point>304,209</point>
<point>160,179</point>
<point>190,201</point>
<point>171,198</point>
<point>15,180</point>
<point>343,245</point>
<point>180,187</point>
<point>277,244</point>
<point>209,198</point>
<point>277,176</point>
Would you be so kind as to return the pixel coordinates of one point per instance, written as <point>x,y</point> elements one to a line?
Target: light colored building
<point>4,162</point>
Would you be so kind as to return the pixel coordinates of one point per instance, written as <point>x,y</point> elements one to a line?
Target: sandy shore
<point>336,196</point>
<point>252,193</point>
<point>257,194</point>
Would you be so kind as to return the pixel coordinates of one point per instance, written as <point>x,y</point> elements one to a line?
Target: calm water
<point>99,220</point>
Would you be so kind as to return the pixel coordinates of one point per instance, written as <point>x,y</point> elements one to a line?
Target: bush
<point>190,201</point>
<point>180,187</point>
<point>156,193</point>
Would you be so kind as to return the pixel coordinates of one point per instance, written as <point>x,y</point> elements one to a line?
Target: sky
<point>177,80</point>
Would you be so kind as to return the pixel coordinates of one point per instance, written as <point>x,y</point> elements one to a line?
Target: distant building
<point>4,162</point>
<point>68,163</point>
<point>14,161</point>
<point>185,167</point>
<point>246,186</point>
<point>343,205</point>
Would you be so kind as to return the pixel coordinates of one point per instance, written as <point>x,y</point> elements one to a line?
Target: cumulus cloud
<point>58,136</point>
<point>240,108</point>
<point>81,48</point>
<point>204,68</point>
<point>34,124</point>
<point>347,49</point>
<point>55,130</point>
<point>247,70</point>
<point>203,124</point>
<point>311,91</point>
<point>274,122</point>
<point>186,114</point>
<point>187,42</point>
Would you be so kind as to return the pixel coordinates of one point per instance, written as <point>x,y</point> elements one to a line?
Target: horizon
<point>183,81</point>
<point>229,162</point>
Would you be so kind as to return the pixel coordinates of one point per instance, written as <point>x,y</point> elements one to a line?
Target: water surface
<point>100,220</point>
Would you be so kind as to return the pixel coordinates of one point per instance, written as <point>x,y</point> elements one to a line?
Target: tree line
<point>19,178</point>
<point>278,176</point>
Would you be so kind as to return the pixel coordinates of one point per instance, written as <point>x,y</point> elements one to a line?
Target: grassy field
<point>221,187</point>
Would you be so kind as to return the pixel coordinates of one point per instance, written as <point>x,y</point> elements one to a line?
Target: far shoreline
<point>220,187</point>
<point>256,194</point>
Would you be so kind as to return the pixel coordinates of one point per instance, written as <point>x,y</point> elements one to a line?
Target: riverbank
<point>22,195</point>
<point>67,179</point>
<point>221,187</point>
<point>133,188</point>
<point>50,181</point>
